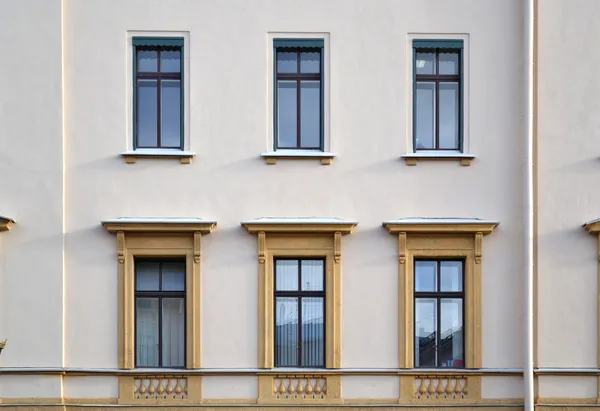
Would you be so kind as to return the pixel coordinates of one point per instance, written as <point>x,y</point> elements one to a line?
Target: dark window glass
<point>437,99</point>
<point>299,98</point>
<point>439,318</point>
<point>160,313</point>
<point>159,107</point>
<point>299,313</point>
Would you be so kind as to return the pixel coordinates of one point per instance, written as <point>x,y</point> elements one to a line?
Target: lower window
<point>439,313</point>
<point>299,313</point>
<point>160,313</point>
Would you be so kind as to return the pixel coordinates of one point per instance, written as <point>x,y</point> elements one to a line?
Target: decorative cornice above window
<point>440,225</point>
<point>299,225</point>
<point>159,224</point>
<point>592,226</point>
<point>6,223</point>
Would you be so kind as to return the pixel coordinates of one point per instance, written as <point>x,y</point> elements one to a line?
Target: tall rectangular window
<point>160,313</point>
<point>437,95</point>
<point>158,92</point>
<point>299,313</point>
<point>439,319</point>
<point>298,94</point>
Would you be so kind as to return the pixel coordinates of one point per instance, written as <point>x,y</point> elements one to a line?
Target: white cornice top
<point>299,224</point>
<point>440,225</point>
<point>157,224</point>
<point>6,223</point>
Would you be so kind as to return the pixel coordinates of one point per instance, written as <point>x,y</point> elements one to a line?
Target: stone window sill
<point>185,157</point>
<point>412,158</point>
<point>325,157</point>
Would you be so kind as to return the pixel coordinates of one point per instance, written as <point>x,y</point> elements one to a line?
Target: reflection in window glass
<point>437,98</point>
<point>439,302</point>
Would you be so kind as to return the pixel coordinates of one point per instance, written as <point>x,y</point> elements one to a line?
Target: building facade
<point>234,204</point>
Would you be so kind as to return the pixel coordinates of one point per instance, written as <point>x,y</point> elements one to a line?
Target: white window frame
<point>271,36</point>
<point>186,80</point>
<point>465,97</point>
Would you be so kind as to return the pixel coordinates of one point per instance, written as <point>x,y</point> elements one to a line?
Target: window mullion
<point>160,303</point>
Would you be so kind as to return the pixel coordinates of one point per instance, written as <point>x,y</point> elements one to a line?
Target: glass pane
<point>451,276</point>
<point>146,276</point>
<point>173,332</point>
<point>451,343</point>
<point>286,332</point>
<point>310,112</point>
<point>147,61</point>
<point>146,332</point>
<point>171,113</point>
<point>449,115</point>
<point>425,332</point>
<point>310,62</point>
<point>287,62</point>
<point>313,331</point>
<point>448,63</point>
<point>170,61</point>
<point>312,275</point>
<point>146,117</point>
<point>286,275</point>
<point>173,276</point>
<point>425,276</point>
<point>425,63</point>
<point>287,114</point>
<point>425,118</point>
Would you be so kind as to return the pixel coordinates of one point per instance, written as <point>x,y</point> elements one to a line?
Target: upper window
<point>160,313</point>
<point>158,93</point>
<point>299,94</point>
<point>439,304</point>
<point>437,95</point>
<point>299,313</point>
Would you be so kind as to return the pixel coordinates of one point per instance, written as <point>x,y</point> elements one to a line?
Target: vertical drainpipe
<point>528,370</point>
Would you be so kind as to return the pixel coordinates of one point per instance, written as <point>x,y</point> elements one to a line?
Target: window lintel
<point>6,223</point>
<point>440,226</point>
<point>156,225</point>
<point>299,225</point>
<point>592,226</point>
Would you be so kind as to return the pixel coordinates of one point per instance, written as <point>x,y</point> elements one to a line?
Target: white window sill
<point>325,157</point>
<point>412,158</point>
<point>185,157</point>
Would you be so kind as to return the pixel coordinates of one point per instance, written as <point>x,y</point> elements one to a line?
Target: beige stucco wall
<point>31,183</point>
<point>229,182</point>
<point>568,172</point>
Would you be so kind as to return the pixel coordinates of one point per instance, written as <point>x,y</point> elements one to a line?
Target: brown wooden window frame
<point>299,77</point>
<point>438,296</point>
<point>300,294</point>
<point>160,295</point>
<point>158,76</point>
<point>437,79</point>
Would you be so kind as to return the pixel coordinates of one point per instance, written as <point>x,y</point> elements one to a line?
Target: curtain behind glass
<point>146,332</point>
<point>313,328</point>
<point>173,332</point>
<point>286,332</point>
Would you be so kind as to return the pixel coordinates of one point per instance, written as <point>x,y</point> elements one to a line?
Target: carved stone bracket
<point>337,247</point>
<point>262,249</point>
<point>197,246</point>
<point>121,246</point>
<point>478,247</point>
<point>402,247</point>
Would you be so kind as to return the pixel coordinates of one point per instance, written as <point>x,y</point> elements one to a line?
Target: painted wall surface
<point>229,182</point>
<point>31,178</point>
<point>568,173</point>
